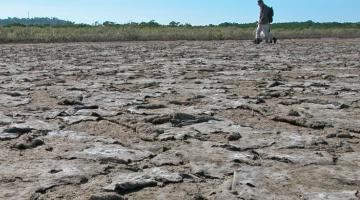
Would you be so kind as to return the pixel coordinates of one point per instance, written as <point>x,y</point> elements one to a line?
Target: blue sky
<point>197,12</point>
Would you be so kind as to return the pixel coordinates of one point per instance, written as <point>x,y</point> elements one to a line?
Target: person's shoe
<point>257,41</point>
<point>275,40</point>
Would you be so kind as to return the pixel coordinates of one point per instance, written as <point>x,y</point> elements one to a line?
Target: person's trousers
<point>265,29</point>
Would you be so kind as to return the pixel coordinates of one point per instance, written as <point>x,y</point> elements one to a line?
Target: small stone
<point>234,137</point>
<point>199,197</point>
<point>331,135</point>
<point>159,119</point>
<point>275,84</point>
<point>69,102</point>
<point>345,135</point>
<point>151,106</point>
<point>55,171</point>
<point>29,145</point>
<point>106,197</point>
<point>319,124</point>
<point>260,101</point>
<point>18,130</point>
<point>344,106</point>
<point>22,146</point>
<point>49,148</point>
<point>37,142</point>
<point>8,136</point>
<point>294,113</point>
<point>183,119</point>
<point>91,107</point>
<point>161,184</point>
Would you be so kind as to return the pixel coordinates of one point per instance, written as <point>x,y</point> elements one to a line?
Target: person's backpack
<point>271,15</point>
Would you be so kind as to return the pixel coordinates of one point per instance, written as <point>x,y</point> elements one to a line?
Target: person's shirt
<point>264,15</point>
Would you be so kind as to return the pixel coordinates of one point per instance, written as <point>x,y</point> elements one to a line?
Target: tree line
<point>46,21</point>
<point>36,21</point>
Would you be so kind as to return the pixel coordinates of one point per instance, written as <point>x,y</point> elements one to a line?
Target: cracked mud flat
<point>180,120</point>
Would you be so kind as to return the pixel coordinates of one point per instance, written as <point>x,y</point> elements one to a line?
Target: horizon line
<point>182,23</point>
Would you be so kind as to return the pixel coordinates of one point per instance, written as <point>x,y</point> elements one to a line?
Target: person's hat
<point>260,1</point>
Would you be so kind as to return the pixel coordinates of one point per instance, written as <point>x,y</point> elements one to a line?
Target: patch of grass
<point>153,31</point>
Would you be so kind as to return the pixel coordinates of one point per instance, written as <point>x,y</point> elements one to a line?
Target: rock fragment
<point>106,196</point>
<point>129,182</point>
<point>168,158</point>
<point>116,153</point>
<point>29,145</point>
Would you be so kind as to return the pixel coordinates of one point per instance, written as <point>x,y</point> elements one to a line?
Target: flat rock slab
<point>116,99</point>
<point>13,101</point>
<point>178,134</point>
<point>77,119</point>
<point>299,157</point>
<point>297,140</point>
<point>40,175</point>
<point>8,136</point>
<point>83,145</point>
<point>37,125</point>
<point>5,120</point>
<point>97,112</point>
<point>203,129</point>
<point>116,153</point>
<point>255,183</point>
<point>219,127</point>
<point>14,131</point>
<point>128,182</point>
<point>345,195</point>
<point>256,140</point>
<point>209,160</point>
<point>352,158</point>
<point>168,158</point>
<point>71,136</point>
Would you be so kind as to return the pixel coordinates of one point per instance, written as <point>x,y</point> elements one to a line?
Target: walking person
<point>266,15</point>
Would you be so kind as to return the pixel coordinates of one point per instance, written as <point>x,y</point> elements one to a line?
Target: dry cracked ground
<point>180,120</point>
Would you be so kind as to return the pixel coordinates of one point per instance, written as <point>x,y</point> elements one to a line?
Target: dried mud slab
<point>180,120</point>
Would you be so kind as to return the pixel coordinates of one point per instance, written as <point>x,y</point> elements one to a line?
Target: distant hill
<point>37,21</point>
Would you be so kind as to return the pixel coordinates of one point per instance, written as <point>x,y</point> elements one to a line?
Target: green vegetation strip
<point>153,31</point>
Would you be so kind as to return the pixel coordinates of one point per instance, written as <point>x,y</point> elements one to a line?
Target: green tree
<point>174,24</point>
